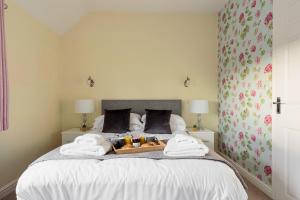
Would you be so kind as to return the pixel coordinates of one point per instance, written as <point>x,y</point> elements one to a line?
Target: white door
<point>286,85</point>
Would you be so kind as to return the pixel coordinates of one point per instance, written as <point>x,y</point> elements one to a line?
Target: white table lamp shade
<point>199,106</point>
<point>85,106</point>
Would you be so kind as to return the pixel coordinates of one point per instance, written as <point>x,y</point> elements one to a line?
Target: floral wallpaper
<point>245,85</point>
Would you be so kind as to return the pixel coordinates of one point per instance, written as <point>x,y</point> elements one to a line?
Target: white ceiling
<point>61,15</point>
<point>287,20</point>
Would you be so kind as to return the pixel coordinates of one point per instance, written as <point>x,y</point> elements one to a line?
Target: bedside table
<point>68,136</point>
<point>207,136</point>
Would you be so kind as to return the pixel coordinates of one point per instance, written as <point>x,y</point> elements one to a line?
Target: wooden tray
<point>157,147</point>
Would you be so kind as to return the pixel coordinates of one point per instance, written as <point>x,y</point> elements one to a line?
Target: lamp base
<point>83,129</point>
<point>199,124</point>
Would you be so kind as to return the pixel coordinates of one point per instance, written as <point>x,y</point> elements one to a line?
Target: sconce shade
<point>199,106</point>
<point>85,106</point>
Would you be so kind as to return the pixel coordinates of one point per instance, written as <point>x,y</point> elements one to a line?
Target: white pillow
<point>177,123</point>
<point>135,123</point>
<point>98,123</point>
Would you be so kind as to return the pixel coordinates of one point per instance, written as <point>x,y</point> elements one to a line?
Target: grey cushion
<point>158,121</point>
<point>116,121</point>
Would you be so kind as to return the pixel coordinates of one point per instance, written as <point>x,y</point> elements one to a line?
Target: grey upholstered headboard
<point>139,106</point>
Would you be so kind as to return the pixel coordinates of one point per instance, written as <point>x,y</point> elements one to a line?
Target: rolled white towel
<point>185,150</point>
<point>185,139</point>
<point>90,139</point>
<point>183,154</point>
<point>74,149</point>
<point>172,146</point>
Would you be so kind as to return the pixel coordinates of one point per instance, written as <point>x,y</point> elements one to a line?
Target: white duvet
<point>130,179</point>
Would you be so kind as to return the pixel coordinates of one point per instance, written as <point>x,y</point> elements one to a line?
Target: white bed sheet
<point>130,179</point>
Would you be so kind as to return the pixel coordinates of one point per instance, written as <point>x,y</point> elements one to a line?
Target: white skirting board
<point>7,189</point>
<point>250,177</point>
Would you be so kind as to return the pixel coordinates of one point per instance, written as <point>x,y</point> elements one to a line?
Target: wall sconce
<point>187,82</point>
<point>90,82</point>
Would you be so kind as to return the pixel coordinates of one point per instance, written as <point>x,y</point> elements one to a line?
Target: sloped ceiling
<point>61,15</point>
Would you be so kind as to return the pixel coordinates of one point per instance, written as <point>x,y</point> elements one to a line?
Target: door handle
<point>278,105</point>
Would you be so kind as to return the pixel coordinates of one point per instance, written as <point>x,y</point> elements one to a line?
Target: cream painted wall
<point>33,59</point>
<point>130,56</point>
<point>140,56</point>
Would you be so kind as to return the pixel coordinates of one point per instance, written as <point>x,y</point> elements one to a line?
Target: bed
<point>131,178</point>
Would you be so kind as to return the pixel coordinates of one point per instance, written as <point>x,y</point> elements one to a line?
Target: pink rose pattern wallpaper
<point>245,85</point>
